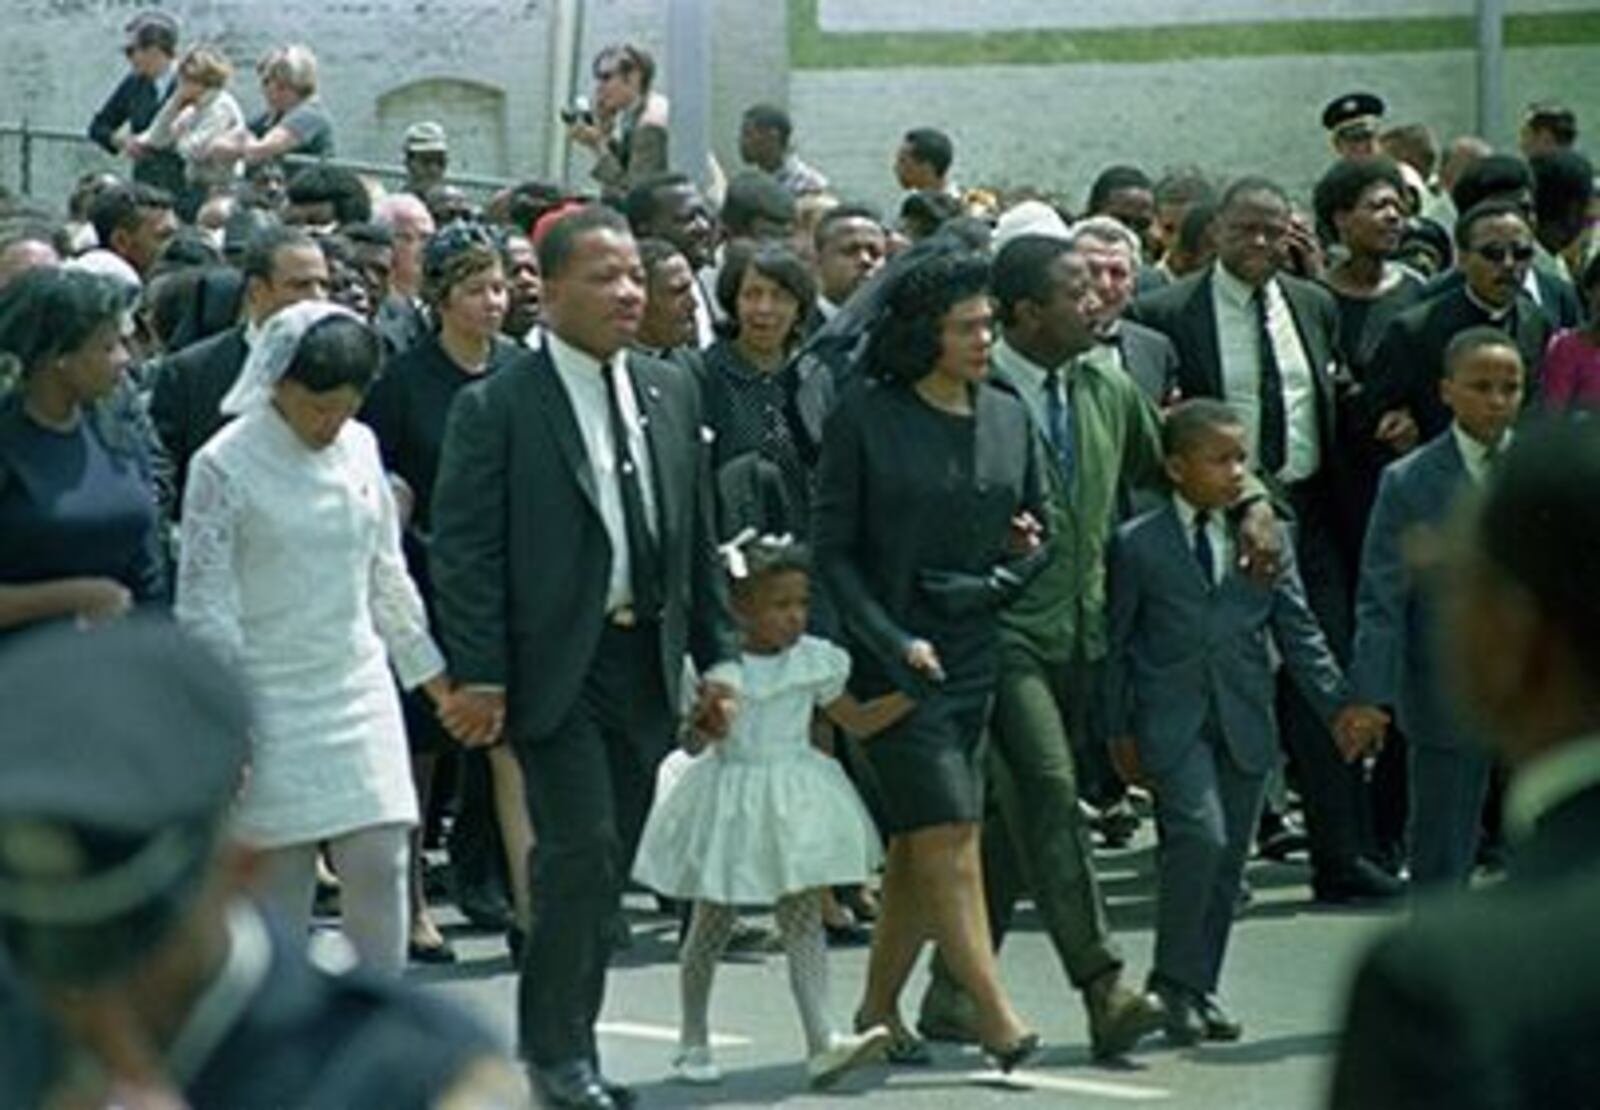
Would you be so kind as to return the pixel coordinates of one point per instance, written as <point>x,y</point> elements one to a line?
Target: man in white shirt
<point>1266,343</point>
<point>575,570</point>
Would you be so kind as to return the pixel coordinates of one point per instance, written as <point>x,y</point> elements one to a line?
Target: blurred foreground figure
<point>133,972</point>
<point>1491,1000</point>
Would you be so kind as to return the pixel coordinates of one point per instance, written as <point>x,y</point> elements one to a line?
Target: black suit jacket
<point>186,397</point>
<point>1149,358</point>
<point>1409,359</point>
<point>1557,297</point>
<point>1492,1001</point>
<point>135,102</point>
<point>1185,314</point>
<point>521,560</point>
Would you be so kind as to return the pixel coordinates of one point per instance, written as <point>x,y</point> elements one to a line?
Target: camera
<point>578,112</point>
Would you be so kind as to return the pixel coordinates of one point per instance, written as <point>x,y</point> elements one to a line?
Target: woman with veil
<point>291,568</point>
<point>928,497</point>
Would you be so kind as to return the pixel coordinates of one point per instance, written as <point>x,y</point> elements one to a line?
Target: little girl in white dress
<point>764,818</point>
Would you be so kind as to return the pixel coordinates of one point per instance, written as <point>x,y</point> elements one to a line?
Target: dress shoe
<point>1008,1058</point>
<point>847,1051</point>
<point>1362,881</point>
<point>621,1094</point>
<point>1278,838</point>
<point>1116,824</point>
<point>438,953</point>
<point>904,1048</point>
<point>1219,1025</point>
<point>694,1066</point>
<point>847,934</point>
<point>573,1086</point>
<point>1181,1019</point>
<point>1119,1016</point>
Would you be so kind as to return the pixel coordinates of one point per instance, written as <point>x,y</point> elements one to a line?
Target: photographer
<point>627,125</point>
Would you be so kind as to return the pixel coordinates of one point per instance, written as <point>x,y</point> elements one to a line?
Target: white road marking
<point>1034,1080</point>
<point>641,1031</point>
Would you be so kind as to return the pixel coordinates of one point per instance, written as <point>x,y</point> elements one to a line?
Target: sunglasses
<point>1499,253</point>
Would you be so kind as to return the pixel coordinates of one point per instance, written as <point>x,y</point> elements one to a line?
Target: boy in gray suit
<point>1395,662</point>
<point>1191,700</point>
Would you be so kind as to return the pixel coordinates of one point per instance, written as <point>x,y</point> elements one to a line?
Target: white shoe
<point>847,1051</point>
<point>694,1065</point>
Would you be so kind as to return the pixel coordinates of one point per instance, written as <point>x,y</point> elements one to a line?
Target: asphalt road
<point>1285,978</point>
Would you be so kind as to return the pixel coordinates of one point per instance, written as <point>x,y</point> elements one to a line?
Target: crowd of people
<point>774,551</point>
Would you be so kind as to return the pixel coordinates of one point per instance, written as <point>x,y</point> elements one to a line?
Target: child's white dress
<point>763,813</point>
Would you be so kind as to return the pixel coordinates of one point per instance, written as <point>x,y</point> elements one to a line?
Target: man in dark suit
<point>1496,247</point>
<point>575,569</point>
<point>1148,356</point>
<point>134,969</point>
<point>151,46</point>
<point>282,266</point>
<point>1394,660</point>
<point>1491,1000</point>
<point>1266,343</point>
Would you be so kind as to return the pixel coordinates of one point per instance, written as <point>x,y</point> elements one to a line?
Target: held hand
<point>1359,730</point>
<point>1026,534</point>
<point>97,600</point>
<point>1398,431</point>
<point>922,658</point>
<point>1125,760</point>
<point>1261,540</point>
<point>474,717</point>
<point>715,708</point>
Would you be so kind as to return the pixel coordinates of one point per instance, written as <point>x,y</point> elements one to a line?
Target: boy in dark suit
<point>1191,699</point>
<point>1394,663</point>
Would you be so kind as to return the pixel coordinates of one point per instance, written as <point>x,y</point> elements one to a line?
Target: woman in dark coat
<point>927,504</point>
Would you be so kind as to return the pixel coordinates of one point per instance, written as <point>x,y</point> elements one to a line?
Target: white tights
<point>800,928</point>
<point>371,864</point>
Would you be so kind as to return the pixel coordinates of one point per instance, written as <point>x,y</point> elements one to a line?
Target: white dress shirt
<point>1475,454</point>
<point>581,376</point>
<point>1240,349</point>
<point>1216,532</point>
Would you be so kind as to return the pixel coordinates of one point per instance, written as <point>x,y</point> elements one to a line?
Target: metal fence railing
<point>43,163</point>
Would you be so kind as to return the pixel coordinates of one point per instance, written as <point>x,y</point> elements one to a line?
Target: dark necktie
<point>1274,442</point>
<point>1058,423</point>
<point>645,576</point>
<point>1203,553</point>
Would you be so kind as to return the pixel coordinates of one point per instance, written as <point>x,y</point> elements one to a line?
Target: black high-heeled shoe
<point>1009,1057</point>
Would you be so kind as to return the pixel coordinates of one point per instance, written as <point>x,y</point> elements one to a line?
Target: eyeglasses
<point>605,74</point>
<point>1500,253</point>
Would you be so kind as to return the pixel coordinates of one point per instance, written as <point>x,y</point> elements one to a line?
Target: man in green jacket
<point>1102,435</point>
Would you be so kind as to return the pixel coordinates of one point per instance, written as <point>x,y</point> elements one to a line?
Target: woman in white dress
<point>291,567</point>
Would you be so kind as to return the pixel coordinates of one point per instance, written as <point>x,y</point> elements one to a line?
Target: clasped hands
<point>1359,730</point>
<point>475,717</point>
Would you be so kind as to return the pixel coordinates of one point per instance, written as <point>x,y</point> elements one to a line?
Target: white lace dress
<point>762,813</point>
<point>291,568</point>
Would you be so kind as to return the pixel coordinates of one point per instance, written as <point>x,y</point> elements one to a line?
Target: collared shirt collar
<point>826,307</point>
<point>1188,512</point>
<point>1236,290</point>
<point>1019,365</point>
<point>1496,315</point>
<point>1550,780</point>
<point>252,333</point>
<point>573,360</point>
<point>1474,454</point>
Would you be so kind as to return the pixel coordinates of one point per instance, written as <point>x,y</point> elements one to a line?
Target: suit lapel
<point>555,407</point>
<point>660,432</point>
<point>1205,343</point>
<point>1178,536</point>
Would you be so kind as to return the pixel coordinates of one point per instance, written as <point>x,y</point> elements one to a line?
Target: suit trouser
<point>477,858</point>
<point>1338,818</point>
<point>1448,786</point>
<point>589,785</point>
<point>1206,813</point>
<point>1033,835</point>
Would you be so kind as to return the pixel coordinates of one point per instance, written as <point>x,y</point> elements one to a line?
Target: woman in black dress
<point>463,281</point>
<point>79,527</point>
<point>928,486</point>
<point>766,293</point>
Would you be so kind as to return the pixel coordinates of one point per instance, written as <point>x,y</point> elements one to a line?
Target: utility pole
<point>1491,70</point>
<point>689,85</point>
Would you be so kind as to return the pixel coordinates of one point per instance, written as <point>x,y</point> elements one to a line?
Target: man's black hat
<point>1344,112</point>
<point>121,750</point>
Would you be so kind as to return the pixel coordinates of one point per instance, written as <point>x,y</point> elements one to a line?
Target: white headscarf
<point>274,351</point>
